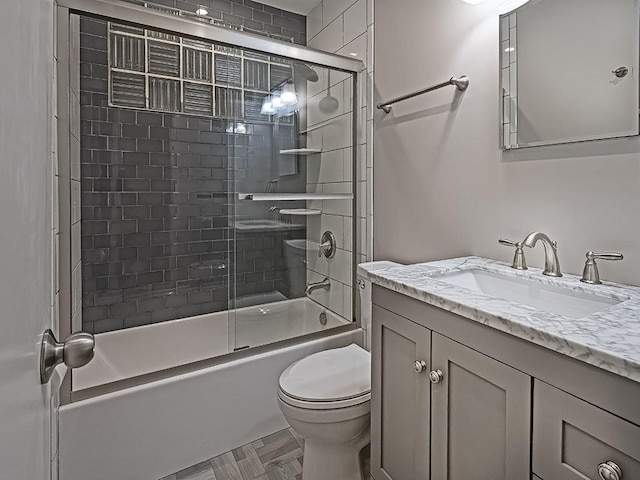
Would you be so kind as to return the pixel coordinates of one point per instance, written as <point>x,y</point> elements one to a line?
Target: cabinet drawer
<point>572,437</point>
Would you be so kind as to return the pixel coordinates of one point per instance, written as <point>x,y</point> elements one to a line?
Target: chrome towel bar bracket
<point>461,83</point>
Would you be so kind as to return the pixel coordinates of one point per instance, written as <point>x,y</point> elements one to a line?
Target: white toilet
<point>326,399</point>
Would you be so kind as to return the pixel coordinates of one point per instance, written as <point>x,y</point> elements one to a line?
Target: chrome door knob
<point>436,376</point>
<point>609,471</point>
<point>75,352</point>
<point>420,366</point>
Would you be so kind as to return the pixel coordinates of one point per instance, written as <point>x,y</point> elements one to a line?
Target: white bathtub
<point>135,351</point>
<point>152,430</point>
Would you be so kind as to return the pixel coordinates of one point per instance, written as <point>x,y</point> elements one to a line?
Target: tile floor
<point>274,457</point>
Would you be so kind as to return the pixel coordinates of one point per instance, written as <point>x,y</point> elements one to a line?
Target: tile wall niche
<point>157,223</point>
<point>344,27</point>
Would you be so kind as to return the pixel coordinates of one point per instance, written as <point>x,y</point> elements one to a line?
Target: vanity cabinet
<point>435,398</point>
<point>400,400</point>
<point>487,405</point>
<point>571,438</point>
<point>480,415</point>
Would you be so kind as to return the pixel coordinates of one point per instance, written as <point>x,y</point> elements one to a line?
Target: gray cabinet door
<point>572,437</point>
<point>480,416</point>
<point>400,398</point>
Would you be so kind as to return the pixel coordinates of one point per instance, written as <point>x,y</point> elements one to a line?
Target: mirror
<point>569,71</point>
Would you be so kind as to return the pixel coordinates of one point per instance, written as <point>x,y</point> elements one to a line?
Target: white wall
<point>442,186</point>
<point>344,27</point>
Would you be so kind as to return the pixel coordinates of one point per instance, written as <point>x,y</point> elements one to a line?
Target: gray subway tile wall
<point>245,13</point>
<point>157,238</point>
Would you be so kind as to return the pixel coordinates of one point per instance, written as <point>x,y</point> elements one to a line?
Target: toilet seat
<point>330,379</point>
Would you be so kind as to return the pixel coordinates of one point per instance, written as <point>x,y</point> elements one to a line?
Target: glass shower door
<point>293,180</point>
<point>156,129</point>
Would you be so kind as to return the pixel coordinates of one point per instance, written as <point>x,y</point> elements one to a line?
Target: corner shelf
<point>279,197</point>
<point>301,151</point>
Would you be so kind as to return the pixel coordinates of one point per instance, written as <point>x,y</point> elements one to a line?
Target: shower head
<point>305,71</point>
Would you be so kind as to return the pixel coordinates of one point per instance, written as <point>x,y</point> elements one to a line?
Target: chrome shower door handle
<point>75,352</point>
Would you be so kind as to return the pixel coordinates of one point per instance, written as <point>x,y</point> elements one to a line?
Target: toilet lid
<point>330,375</point>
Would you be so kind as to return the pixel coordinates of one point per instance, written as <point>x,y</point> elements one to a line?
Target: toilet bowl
<point>326,398</point>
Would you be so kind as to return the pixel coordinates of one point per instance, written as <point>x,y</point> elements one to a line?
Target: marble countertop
<point>609,339</point>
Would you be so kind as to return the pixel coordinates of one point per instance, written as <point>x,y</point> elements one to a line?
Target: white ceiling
<point>303,7</point>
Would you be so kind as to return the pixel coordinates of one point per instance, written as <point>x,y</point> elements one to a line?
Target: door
<point>399,398</point>
<point>26,294</point>
<point>480,413</point>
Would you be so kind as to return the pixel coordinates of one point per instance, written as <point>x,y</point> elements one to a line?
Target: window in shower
<point>162,72</point>
<point>208,175</point>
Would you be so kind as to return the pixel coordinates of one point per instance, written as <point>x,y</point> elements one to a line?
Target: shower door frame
<point>129,13</point>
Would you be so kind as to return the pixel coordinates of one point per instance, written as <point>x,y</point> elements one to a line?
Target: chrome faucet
<point>312,287</point>
<point>551,263</point>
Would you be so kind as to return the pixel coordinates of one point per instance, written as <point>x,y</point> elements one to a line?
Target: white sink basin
<point>548,298</point>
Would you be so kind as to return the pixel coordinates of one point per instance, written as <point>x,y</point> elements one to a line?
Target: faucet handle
<point>509,243</point>
<point>519,262</point>
<point>590,274</point>
<point>605,256</point>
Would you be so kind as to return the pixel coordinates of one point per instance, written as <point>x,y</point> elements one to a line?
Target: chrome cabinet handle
<point>75,352</point>
<point>420,366</point>
<point>436,376</point>
<point>609,471</point>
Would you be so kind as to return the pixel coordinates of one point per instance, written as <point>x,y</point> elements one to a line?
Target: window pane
<point>255,75</point>
<point>116,27</point>
<point>253,104</point>
<point>228,102</point>
<point>164,59</point>
<point>164,94</point>
<point>228,70</point>
<point>279,74</point>
<point>196,43</point>
<point>128,89</point>
<point>197,65</point>
<point>127,52</point>
<point>198,98</point>
<point>163,36</point>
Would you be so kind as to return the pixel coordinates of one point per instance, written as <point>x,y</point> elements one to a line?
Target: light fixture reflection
<point>240,128</point>
<point>267,107</point>
<point>201,11</point>
<point>288,96</point>
<point>276,102</point>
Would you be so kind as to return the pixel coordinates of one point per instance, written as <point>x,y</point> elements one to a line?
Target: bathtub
<point>136,351</point>
<point>148,431</point>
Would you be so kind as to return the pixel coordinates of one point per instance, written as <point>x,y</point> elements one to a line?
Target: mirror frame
<point>635,69</point>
